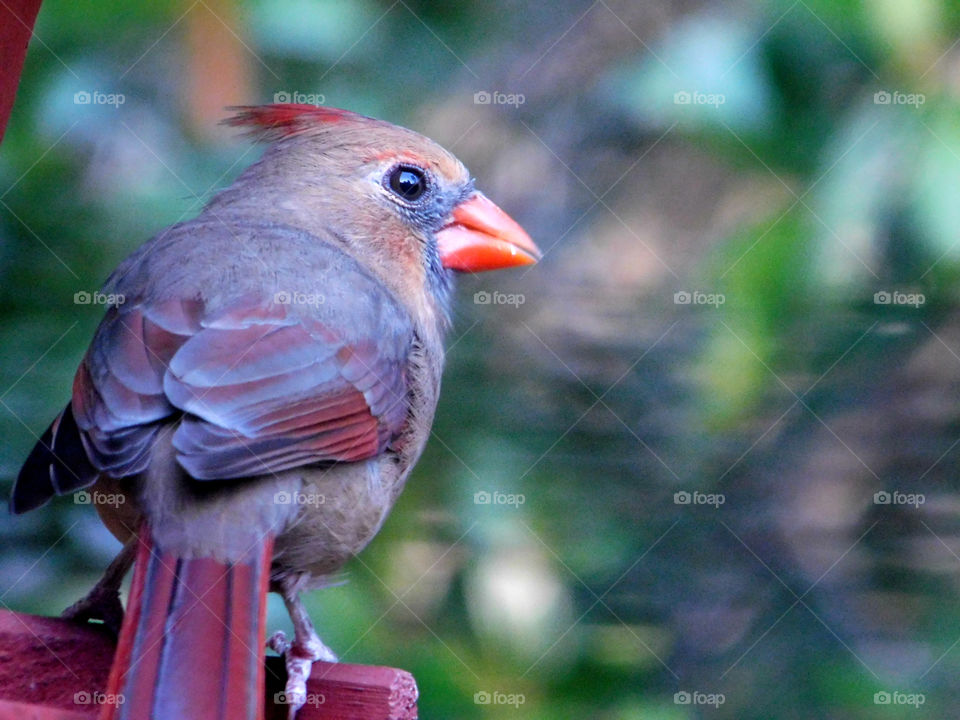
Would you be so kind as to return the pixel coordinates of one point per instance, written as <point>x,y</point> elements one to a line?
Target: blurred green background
<point>726,406</point>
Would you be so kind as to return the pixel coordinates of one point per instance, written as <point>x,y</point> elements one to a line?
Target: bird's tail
<point>192,643</point>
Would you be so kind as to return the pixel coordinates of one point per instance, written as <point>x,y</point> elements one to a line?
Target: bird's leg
<point>103,601</point>
<point>300,654</point>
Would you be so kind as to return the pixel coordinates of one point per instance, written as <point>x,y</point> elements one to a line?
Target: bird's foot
<point>103,601</point>
<point>299,657</point>
<point>99,604</point>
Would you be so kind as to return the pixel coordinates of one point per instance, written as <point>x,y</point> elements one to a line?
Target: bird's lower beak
<point>484,237</point>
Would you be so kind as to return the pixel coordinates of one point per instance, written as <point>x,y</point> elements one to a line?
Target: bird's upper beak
<point>484,237</point>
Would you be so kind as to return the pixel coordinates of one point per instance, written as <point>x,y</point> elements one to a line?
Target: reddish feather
<point>265,389</point>
<point>279,120</point>
<point>191,642</point>
<point>137,687</point>
<point>129,356</point>
<point>305,412</point>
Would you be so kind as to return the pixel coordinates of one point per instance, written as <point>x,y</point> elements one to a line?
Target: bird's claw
<point>278,642</point>
<point>298,658</point>
<point>103,600</point>
<point>103,605</point>
<point>316,650</point>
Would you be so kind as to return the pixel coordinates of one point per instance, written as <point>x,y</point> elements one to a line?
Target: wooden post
<point>16,26</point>
<point>52,669</point>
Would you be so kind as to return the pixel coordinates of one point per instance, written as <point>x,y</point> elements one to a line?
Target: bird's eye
<point>408,182</point>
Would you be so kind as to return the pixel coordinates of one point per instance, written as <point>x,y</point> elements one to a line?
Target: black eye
<point>407,182</point>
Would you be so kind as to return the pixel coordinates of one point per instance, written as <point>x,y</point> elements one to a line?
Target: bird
<point>257,394</point>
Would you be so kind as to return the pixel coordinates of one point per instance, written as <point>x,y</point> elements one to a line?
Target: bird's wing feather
<point>274,392</point>
<point>246,382</point>
<point>263,383</point>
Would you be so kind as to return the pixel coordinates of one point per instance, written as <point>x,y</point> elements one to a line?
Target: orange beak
<point>484,237</point>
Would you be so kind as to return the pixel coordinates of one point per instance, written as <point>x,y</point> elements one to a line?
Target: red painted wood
<point>51,663</point>
<point>51,669</point>
<point>16,26</point>
<point>337,691</point>
<point>29,711</point>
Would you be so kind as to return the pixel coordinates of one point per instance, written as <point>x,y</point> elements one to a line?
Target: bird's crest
<point>281,120</point>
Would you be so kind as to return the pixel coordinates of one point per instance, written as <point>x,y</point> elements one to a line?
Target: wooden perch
<point>52,669</point>
<point>16,26</point>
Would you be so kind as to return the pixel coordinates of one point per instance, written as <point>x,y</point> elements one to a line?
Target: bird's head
<point>401,203</point>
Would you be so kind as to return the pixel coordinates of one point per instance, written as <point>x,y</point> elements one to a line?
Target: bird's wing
<point>263,386</point>
<point>210,343</point>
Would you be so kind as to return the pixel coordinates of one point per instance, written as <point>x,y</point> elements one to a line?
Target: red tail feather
<point>192,643</point>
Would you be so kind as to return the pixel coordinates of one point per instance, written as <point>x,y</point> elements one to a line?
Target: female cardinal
<point>257,398</point>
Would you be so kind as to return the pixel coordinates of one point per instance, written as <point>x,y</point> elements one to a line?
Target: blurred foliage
<point>798,159</point>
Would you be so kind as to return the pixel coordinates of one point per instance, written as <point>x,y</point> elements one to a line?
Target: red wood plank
<point>52,663</point>
<point>16,26</point>
<point>29,711</point>
<point>52,669</point>
<point>338,691</point>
